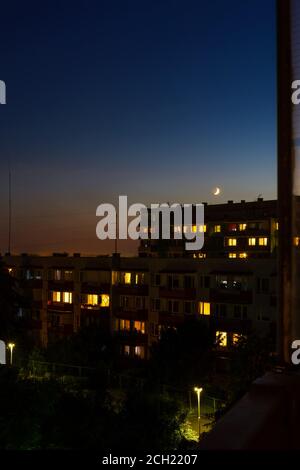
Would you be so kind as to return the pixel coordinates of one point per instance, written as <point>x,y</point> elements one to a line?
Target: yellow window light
<point>221,337</point>
<point>67,297</point>
<point>92,299</point>
<point>236,337</point>
<point>204,308</point>
<point>56,296</point>
<point>104,300</point>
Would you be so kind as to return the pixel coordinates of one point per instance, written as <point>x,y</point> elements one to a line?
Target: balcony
<point>59,306</point>
<point>170,319</point>
<point>231,296</point>
<point>266,418</point>
<point>130,289</point>
<point>127,314</point>
<point>95,288</point>
<point>188,293</point>
<point>61,285</point>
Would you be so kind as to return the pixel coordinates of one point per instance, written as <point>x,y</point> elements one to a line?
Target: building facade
<point>232,283</point>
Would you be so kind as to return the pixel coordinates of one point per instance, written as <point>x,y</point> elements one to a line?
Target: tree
<point>184,356</point>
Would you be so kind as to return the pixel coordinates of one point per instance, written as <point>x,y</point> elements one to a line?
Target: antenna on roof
<point>9,210</point>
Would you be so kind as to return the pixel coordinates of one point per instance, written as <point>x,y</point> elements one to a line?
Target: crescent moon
<point>217,191</point>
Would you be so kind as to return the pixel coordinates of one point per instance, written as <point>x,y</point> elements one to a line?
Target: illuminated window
<point>68,275</point>
<point>251,241</point>
<point>217,228</point>
<point>126,350</point>
<point>194,228</point>
<point>221,337</point>
<point>231,242</point>
<point>127,278</point>
<point>56,296</point>
<point>185,229</point>
<point>202,228</point>
<point>263,241</point>
<point>124,325</point>
<point>139,351</point>
<point>242,227</point>
<point>277,226</point>
<point>296,241</point>
<point>232,227</point>
<point>139,326</point>
<point>243,255</point>
<point>204,308</point>
<point>67,297</point>
<point>232,255</point>
<point>92,299</point>
<point>115,277</point>
<point>57,274</point>
<point>104,300</point>
<point>236,338</point>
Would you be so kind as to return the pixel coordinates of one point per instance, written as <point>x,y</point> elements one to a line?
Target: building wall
<point>134,298</point>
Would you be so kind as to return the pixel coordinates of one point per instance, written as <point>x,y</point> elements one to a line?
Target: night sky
<point>159,100</point>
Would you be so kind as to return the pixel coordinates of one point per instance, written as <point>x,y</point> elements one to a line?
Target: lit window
<point>104,300</point>
<point>185,229</point>
<point>68,275</point>
<point>232,227</point>
<point>243,255</point>
<point>115,278</point>
<point>217,228</point>
<point>57,274</point>
<point>221,337</point>
<point>296,241</point>
<point>252,241</point>
<point>202,228</point>
<point>67,297</point>
<point>242,227</point>
<point>204,308</point>
<point>139,351</point>
<point>263,241</point>
<point>92,299</point>
<point>126,350</point>
<point>232,255</point>
<point>194,228</point>
<point>56,296</point>
<point>139,326</point>
<point>124,325</point>
<point>236,338</point>
<point>231,242</point>
<point>127,278</point>
<point>277,226</point>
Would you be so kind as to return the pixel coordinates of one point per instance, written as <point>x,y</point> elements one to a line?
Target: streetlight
<point>198,390</point>
<point>11,347</point>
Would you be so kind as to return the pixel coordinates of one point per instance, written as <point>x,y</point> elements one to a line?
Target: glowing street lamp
<point>198,390</point>
<point>11,347</point>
